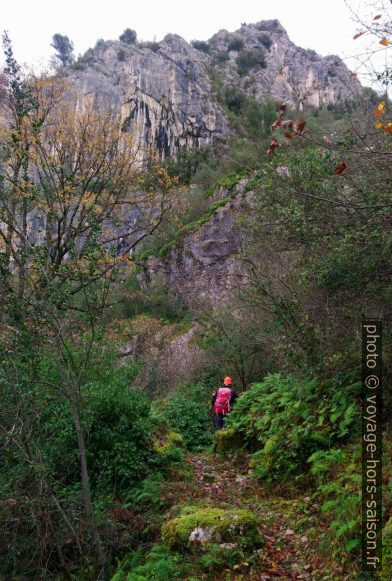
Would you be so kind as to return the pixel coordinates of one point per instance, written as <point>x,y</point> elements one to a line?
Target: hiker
<point>223,400</point>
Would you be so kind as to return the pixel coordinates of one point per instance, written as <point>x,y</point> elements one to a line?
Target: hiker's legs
<point>219,421</point>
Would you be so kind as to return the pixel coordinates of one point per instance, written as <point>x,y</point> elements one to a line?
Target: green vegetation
<point>201,45</point>
<point>129,36</point>
<point>187,413</point>
<point>218,525</point>
<point>248,60</point>
<point>235,43</point>
<point>285,420</point>
<point>109,467</point>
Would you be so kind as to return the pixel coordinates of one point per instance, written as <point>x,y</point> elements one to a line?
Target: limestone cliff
<point>164,94</point>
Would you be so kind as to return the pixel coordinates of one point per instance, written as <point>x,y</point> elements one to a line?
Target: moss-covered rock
<point>201,527</point>
<point>171,449</point>
<point>226,441</point>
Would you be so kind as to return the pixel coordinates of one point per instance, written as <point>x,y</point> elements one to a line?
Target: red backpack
<point>222,402</point>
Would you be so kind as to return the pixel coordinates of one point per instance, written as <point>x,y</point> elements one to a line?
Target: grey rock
<point>165,96</point>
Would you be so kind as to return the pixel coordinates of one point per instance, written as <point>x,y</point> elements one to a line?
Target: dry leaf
<point>272,146</point>
<point>339,169</point>
<point>379,124</point>
<point>384,42</point>
<point>377,17</point>
<point>299,125</point>
<point>359,34</point>
<point>276,124</point>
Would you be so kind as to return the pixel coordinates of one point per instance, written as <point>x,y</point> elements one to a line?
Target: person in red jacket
<point>223,400</point>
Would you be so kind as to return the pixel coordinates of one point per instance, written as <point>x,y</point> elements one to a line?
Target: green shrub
<point>235,43</point>
<point>117,427</point>
<point>265,41</point>
<point>188,413</point>
<point>201,45</point>
<point>221,57</point>
<point>129,36</point>
<point>285,420</point>
<point>250,59</point>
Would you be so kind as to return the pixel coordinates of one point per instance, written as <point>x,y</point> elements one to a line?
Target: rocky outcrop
<point>202,267</point>
<point>164,93</point>
<point>164,97</point>
<point>291,74</point>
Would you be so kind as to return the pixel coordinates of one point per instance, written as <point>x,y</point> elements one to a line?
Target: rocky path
<point>291,528</point>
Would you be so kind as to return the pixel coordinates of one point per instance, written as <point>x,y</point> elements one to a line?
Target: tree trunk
<point>86,485</point>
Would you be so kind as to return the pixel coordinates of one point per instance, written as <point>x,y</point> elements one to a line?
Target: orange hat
<point>227,381</point>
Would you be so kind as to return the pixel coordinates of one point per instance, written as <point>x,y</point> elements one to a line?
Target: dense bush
<point>265,41</point>
<point>248,60</point>
<point>235,43</point>
<point>129,36</point>
<point>117,432</point>
<point>188,413</point>
<point>201,45</point>
<point>285,420</point>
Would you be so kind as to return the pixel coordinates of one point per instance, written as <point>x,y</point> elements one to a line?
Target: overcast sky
<point>323,25</point>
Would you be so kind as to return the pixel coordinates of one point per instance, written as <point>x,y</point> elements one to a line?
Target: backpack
<point>222,402</point>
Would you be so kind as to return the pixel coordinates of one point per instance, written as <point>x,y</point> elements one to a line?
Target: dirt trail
<point>290,552</point>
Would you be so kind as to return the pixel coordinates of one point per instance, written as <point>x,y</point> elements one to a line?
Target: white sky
<point>323,25</point>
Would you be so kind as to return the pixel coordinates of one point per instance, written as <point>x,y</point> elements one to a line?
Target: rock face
<point>164,93</point>
<point>299,77</point>
<point>164,98</point>
<point>202,268</point>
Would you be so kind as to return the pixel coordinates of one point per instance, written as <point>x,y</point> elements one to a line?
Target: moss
<point>171,448</point>
<point>222,526</point>
<point>226,441</point>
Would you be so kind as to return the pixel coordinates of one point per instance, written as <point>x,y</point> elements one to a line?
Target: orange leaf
<point>377,112</point>
<point>339,169</point>
<point>359,34</point>
<point>377,17</point>
<point>379,124</point>
<point>384,42</point>
<point>388,128</point>
<point>272,146</point>
<point>276,124</point>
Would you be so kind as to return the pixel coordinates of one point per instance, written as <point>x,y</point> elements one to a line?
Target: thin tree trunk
<point>86,484</point>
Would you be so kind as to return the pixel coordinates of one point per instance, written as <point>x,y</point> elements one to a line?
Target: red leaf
<point>287,123</point>
<point>288,134</point>
<point>299,125</point>
<point>359,34</point>
<point>272,146</point>
<point>276,124</point>
<point>339,169</point>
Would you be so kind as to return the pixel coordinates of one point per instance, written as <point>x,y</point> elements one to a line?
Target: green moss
<point>222,526</point>
<point>171,449</point>
<point>226,441</point>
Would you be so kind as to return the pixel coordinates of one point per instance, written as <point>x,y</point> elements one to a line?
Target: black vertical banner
<point>371,445</point>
